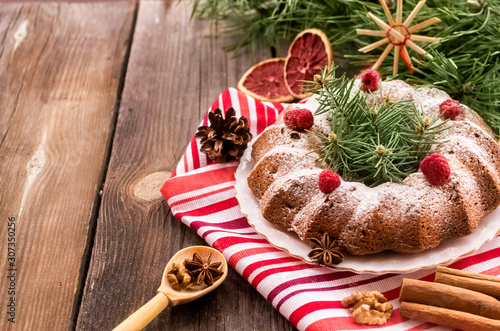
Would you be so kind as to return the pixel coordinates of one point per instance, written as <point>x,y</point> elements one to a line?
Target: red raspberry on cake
<point>328,181</point>
<point>370,80</point>
<point>451,109</point>
<point>436,168</point>
<point>299,119</point>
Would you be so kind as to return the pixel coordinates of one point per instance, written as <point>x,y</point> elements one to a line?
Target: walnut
<point>369,307</point>
<point>179,277</point>
<point>174,282</point>
<point>365,315</point>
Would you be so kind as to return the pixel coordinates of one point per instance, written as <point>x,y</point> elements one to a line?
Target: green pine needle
<point>371,143</point>
<point>470,30</point>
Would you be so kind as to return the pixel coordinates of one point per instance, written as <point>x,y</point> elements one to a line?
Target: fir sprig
<point>250,22</point>
<point>371,142</point>
<point>469,70</point>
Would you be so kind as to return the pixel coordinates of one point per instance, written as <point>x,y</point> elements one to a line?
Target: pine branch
<point>371,142</point>
<point>470,72</point>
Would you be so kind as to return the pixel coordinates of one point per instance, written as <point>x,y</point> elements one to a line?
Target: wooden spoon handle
<point>145,314</point>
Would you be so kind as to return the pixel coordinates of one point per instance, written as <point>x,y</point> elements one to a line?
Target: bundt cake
<point>406,217</point>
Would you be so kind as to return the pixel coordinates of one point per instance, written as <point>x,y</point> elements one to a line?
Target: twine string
<point>401,44</point>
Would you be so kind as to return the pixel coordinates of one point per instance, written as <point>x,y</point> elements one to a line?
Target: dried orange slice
<point>265,81</point>
<point>309,52</point>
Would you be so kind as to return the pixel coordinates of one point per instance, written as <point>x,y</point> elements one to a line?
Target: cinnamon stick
<point>447,296</point>
<point>447,317</point>
<point>476,282</point>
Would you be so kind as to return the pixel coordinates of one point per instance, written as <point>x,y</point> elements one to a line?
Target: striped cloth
<point>201,194</point>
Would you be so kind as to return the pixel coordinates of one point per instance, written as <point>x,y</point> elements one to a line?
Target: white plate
<point>445,253</point>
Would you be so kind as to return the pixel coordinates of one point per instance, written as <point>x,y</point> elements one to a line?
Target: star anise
<point>202,270</point>
<point>326,251</point>
<point>226,138</point>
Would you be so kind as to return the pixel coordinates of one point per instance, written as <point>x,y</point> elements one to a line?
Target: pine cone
<point>226,138</point>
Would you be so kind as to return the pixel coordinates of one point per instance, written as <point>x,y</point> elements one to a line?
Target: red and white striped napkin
<point>201,194</point>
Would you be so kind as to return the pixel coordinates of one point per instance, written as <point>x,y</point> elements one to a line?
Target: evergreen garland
<point>372,143</point>
<point>466,63</point>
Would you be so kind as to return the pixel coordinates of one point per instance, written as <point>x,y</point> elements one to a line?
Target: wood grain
<point>60,67</point>
<point>174,74</point>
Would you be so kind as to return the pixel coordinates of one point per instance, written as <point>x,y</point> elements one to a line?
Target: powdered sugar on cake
<point>408,217</point>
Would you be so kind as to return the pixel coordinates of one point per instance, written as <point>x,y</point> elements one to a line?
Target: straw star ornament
<point>398,35</point>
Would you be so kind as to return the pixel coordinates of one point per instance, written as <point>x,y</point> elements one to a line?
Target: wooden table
<point>97,104</point>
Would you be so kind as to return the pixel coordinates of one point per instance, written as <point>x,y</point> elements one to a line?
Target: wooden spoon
<point>167,296</point>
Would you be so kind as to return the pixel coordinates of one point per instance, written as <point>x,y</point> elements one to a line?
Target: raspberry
<point>299,119</point>
<point>436,168</point>
<point>451,108</point>
<point>370,80</point>
<point>328,181</point>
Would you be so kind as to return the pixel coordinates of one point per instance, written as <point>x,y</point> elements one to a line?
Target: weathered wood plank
<point>60,68</point>
<point>174,74</point>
